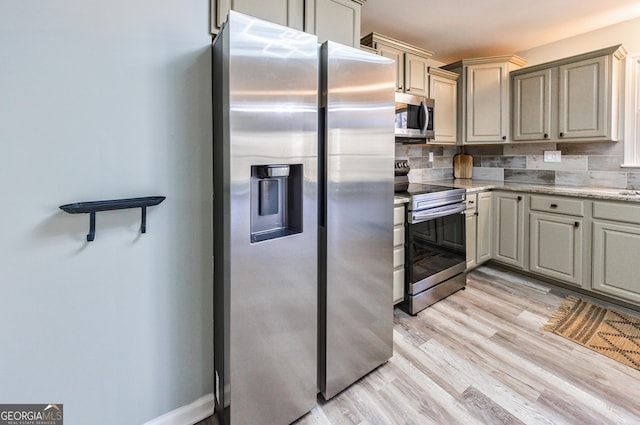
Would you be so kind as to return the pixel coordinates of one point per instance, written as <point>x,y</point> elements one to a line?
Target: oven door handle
<point>420,217</point>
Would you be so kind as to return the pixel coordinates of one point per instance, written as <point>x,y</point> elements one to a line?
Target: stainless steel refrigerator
<point>356,215</point>
<point>267,199</point>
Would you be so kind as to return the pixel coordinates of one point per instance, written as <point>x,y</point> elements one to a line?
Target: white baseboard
<point>187,415</point>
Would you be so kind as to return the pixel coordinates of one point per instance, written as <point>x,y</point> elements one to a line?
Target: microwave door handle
<point>417,218</point>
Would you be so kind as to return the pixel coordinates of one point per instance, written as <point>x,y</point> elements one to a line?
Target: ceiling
<point>457,29</point>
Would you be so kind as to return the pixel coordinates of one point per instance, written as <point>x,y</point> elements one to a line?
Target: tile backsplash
<point>583,164</point>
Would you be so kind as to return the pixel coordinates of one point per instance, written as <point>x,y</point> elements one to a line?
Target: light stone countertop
<point>474,186</point>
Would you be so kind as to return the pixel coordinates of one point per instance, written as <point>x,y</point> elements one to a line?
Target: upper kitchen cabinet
<point>483,98</point>
<point>572,99</point>
<point>443,89</point>
<point>531,94</point>
<point>289,13</point>
<point>335,20</point>
<point>412,64</point>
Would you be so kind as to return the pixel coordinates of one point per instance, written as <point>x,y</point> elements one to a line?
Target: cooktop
<point>418,189</point>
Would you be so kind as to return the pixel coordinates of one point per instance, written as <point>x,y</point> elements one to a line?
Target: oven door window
<point>436,245</point>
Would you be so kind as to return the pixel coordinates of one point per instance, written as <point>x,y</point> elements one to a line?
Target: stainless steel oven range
<point>435,245</point>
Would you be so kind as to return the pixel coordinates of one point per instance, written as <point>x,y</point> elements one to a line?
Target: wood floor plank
<point>485,408</point>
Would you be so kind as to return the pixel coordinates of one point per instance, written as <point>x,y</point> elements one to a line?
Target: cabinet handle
<point>519,198</point>
<point>553,206</point>
<point>561,134</point>
<point>576,224</point>
<point>504,137</point>
<point>471,202</point>
<point>546,136</point>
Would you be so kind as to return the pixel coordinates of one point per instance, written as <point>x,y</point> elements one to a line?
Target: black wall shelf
<point>113,204</point>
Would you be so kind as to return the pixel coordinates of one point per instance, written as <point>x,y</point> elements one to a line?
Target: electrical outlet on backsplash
<point>595,164</point>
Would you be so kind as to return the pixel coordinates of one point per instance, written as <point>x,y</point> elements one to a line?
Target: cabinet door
<point>416,79</point>
<point>582,103</point>
<point>398,56</point>
<point>532,105</point>
<point>471,228</point>
<point>555,248</point>
<point>283,12</point>
<point>398,285</point>
<point>487,103</point>
<point>616,255</point>
<point>509,225</point>
<point>444,91</point>
<point>335,20</point>
<point>484,234</point>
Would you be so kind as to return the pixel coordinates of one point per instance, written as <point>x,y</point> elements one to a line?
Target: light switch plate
<point>430,156</point>
<point>552,156</point>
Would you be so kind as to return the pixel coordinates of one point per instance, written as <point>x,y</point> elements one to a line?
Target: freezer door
<point>357,154</point>
<point>265,97</point>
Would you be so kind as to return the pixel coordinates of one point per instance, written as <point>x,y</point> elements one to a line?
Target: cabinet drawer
<point>472,201</point>
<point>398,236</point>
<point>558,205</point>
<point>398,256</point>
<point>398,215</point>
<point>617,211</point>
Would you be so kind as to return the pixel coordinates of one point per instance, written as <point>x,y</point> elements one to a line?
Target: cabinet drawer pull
<point>576,224</point>
<point>553,206</point>
<point>561,134</point>
<point>471,202</point>
<point>519,198</point>
<point>504,137</point>
<point>546,136</point>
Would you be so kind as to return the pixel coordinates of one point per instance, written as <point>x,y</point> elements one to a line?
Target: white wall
<point>626,33</point>
<point>102,100</point>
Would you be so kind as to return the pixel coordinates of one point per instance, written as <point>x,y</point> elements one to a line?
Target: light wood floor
<point>479,357</point>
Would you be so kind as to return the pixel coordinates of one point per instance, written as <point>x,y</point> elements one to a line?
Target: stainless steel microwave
<point>414,116</point>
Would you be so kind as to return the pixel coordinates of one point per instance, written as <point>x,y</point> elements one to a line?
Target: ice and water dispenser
<point>276,201</point>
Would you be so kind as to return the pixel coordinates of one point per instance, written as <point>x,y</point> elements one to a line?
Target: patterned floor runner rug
<point>608,332</point>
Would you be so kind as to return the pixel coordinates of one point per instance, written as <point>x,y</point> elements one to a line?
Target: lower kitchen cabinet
<point>556,246</point>
<point>478,228</point>
<point>398,253</point>
<point>556,238</point>
<point>616,250</point>
<point>484,227</point>
<point>508,223</point>
<point>471,229</point>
